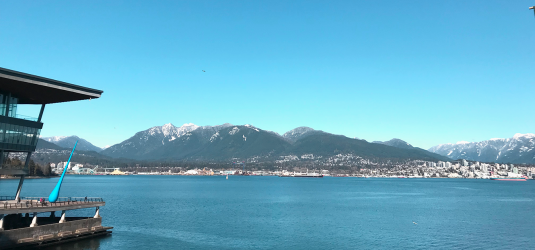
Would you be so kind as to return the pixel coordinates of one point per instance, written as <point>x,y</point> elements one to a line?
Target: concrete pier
<point>21,226</point>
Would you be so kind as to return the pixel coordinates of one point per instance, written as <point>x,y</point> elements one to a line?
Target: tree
<point>34,169</point>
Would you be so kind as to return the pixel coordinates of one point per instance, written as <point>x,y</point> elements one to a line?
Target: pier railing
<point>8,202</point>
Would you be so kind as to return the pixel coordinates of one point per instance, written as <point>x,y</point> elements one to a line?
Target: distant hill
<point>328,144</point>
<point>396,143</point>
<point>227,141</point>
<point>42,144</point>
<point>68,142</point>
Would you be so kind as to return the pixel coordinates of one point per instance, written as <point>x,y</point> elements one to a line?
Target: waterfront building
<point>228,172</point>
<point>19,134</point>
<point>192,172</point>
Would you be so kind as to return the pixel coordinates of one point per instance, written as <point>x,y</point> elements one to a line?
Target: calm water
<point>195,212</point>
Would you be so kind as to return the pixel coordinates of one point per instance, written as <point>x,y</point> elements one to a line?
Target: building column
<point>1,222</point>
<point>41,113</point>
<point>27,162</point>
<point>97,215</point>
<point>21,181</point>
<point>34,221</point>
<point>62,220</point>
<point>17,198</point>
<point>7,105</point>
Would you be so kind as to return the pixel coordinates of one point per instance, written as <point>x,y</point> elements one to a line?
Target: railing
<point>24,117</point>
<point>33,202</point>
<point>7,198</point>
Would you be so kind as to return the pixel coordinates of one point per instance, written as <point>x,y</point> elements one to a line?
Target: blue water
<point>196,212</point>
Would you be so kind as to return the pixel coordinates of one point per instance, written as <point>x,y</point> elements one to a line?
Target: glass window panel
<point>37,132</point>
<point>2,130</point>
<point>27,136</point>
<point>30,136</point>
<point>16,138</point>
<point>20,134</point>
<point>14,134</point>
<point>9,134</point>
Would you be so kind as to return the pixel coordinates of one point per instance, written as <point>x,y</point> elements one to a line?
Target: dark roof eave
<point>78,92</point>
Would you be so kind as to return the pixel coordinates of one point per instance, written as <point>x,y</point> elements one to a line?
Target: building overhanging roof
<point>32,89</point>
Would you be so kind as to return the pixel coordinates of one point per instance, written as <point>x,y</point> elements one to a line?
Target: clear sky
<point>428,72</point>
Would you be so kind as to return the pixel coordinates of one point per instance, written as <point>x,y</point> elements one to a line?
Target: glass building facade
<point>12,110</point>
<point>16,134</point>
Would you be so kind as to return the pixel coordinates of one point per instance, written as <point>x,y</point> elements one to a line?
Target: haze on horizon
<point>425,72</point>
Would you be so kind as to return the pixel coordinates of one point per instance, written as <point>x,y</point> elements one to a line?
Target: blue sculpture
<point>55,193</point>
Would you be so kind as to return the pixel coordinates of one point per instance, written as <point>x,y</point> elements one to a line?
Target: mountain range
<point>518,149</point>
<point>227,141</point>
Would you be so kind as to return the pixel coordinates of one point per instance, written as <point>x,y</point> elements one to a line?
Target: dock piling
<point>62,220</point>
<point>97,215</point>
<point>34,221</point>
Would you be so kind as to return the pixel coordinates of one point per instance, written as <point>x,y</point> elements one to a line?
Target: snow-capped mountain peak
<point>188,127</point>
<point>252,127</point>
<point>54,138</point>
<point>518,149</point>
<point>527,136</point>
<point>297,133</point>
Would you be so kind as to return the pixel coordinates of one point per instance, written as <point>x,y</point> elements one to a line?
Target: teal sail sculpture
<point>53,197</point>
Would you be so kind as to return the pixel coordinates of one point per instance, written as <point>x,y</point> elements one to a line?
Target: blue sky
<point>428,72</point>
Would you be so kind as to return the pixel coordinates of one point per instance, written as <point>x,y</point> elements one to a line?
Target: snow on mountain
<point>297,133</point>
<point>153,138</point>
<point>234,131</point>
<point>518,149</point>
<point>68,142</point>
<point>227,141</point>
<point>54,138</point>
<point>168,132</point>
<point>252,127</point>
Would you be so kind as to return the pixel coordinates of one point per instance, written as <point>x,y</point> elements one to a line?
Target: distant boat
<point>508,178</point>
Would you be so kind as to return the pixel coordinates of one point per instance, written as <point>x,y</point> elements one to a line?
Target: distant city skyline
<point>425,72</point>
